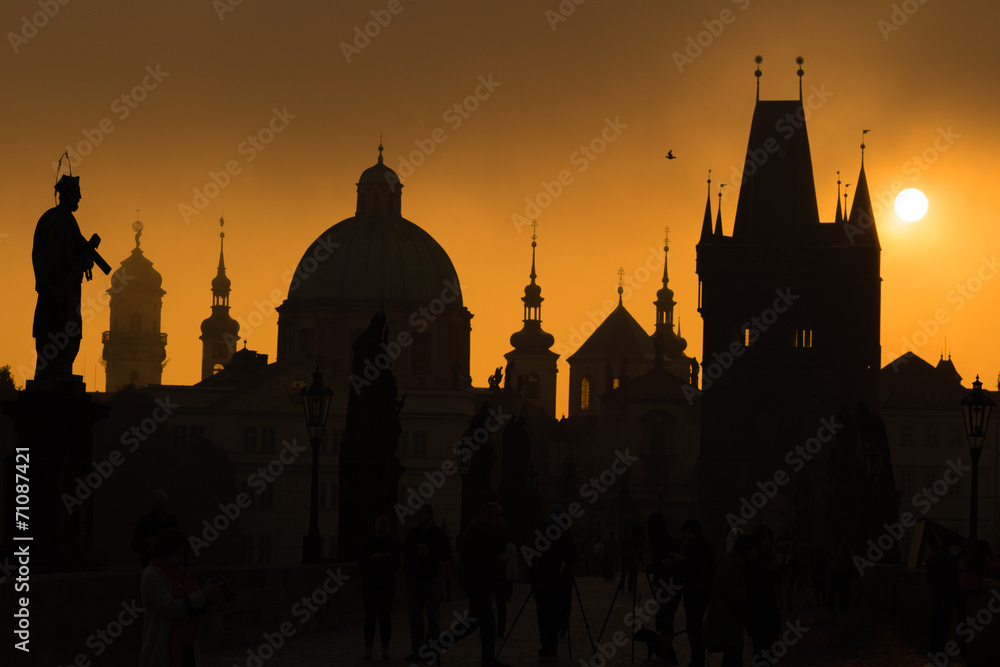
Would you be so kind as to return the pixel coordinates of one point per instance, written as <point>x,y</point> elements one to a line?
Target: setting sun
<point>911,205</point>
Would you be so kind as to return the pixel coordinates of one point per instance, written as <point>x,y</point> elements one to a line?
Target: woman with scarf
<point>173,605</point>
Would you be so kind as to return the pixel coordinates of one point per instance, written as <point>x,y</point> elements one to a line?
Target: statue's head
<point>68,188</point>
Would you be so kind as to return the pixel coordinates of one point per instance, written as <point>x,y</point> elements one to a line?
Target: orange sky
<point>927,89</point>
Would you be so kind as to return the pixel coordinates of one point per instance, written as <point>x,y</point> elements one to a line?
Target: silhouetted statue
<point>482,460</point>
<point>369,467</point>
<point>495,379</point>
<point>695,368</point>
<point>61,257</point>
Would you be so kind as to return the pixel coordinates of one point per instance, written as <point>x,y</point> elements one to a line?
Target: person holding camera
<point>173,604</point>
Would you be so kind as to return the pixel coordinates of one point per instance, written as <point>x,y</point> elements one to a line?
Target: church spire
<point>718,217</point>
<point>860,227</point>
<point>706,225</point>
<point>532,292</point>
<point>840,214</point>
<point>221,284</point>
<point>219,332</point>
<point>531,338</point>
<point>665,296</point>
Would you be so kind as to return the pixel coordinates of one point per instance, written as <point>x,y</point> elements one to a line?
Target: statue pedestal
<point>53,421</point>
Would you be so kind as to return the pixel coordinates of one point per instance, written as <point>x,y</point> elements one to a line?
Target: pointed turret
<point>706,225</point>
<point>534,362</point>
<point>219,332</point>
<point>860,226</point>
<point>718,215</point>
<point>670,344</point>
<point>840,214</point>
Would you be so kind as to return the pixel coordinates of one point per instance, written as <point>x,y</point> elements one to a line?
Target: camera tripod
<point>583,614</point>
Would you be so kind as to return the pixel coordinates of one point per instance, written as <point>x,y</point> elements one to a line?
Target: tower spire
<point>800,60</point>
<point>840,214</point>
<point>863,133</point>
<point>621,277</point>
<point>758,60</point>
<point>718,217</point>
<point>706,225</point>
<point>380,148</point>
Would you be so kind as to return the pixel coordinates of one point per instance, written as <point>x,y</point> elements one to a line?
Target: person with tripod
<point>665,572</point>
<point>551,577</point>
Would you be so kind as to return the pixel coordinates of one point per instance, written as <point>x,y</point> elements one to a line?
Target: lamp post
<point>316,399</point>
<point>976,408</point>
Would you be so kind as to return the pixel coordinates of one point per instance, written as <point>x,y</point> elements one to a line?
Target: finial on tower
<point>758,60</point>
<point>863,133</point>
<point>800,72</point>
<point>846,185</point>
<point>666,237</point>
<point>137,228</point>
<point>621,277</point>
<point>222,223</point>
<point>380,148</point>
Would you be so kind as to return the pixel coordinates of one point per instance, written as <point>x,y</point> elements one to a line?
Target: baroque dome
<point>377,255</point>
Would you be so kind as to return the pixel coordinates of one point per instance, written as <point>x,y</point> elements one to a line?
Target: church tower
<point>220,332</point>
<point>674,359</point>
<point>531,365</point>
<point>134,348</point>
<point>791,308</point>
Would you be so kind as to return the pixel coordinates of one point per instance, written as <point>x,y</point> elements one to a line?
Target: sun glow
<point>911,205</point>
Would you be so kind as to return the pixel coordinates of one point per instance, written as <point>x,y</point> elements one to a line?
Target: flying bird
<point>671,156</point>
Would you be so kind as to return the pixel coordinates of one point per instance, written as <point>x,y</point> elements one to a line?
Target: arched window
<point>584,395</point>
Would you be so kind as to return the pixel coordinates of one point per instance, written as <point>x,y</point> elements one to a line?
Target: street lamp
<point>976,408</point>
<point>316,399</point>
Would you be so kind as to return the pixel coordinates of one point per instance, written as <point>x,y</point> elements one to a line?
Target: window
<point>803,338</point>
<point>750,336</point>
<point>179,436</point>
<point>931,435</point>
<point>584,395</point>
<point>265,499</point>
<point>249,438</point>
<point>955,435</point>
<point>419,444</point>
<point>930,476</point>
<point>906,481</point>
<point>267,438</point>
<point>216,368</point>
<point>404,443</point>
<point>615,383</point>
<point>906,434</point>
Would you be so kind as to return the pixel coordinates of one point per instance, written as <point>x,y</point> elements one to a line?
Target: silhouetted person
<point>697,566</point>
<point>980,562</point>
<point>379,562</point>
<point>424,550</point>
<point>664,568</point>
<point>819,563</point>
<point>172,604</point>
<point>152,524</point>
<point>726,618</point>
<point>766,572</point>
<point>943,575</point>
<point>60,257</point>
<point>839,568</point>
<point>484,558</point>
<point>630,565</point>
<point>552,580</point>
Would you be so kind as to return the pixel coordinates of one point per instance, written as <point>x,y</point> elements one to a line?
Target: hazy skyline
<point>285,106</point>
